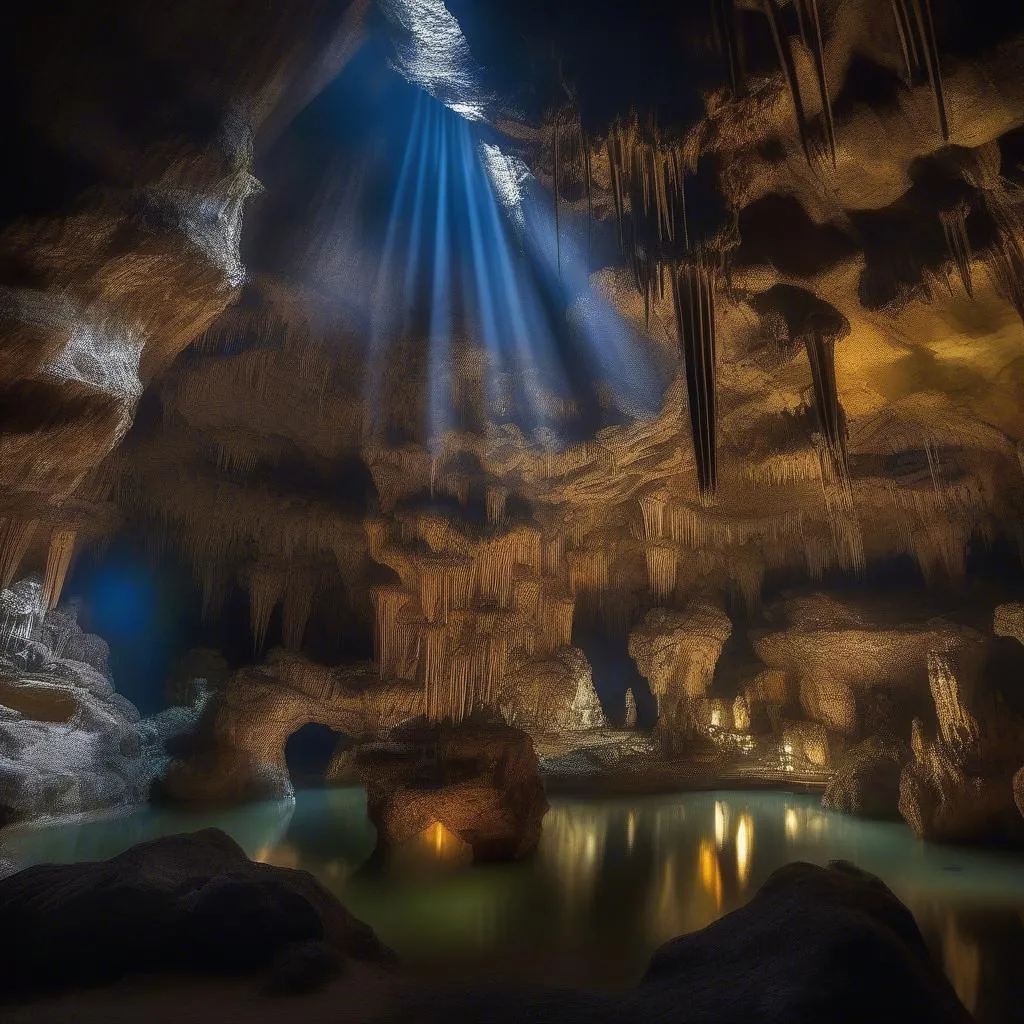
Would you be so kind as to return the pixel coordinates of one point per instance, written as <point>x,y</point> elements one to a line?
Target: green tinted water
<point>612,879</point>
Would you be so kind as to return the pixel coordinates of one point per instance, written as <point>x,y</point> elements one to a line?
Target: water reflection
<point>612,879</point>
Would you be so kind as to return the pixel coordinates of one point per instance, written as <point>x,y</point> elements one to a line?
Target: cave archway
<point>614,671</point>
<point>308,753</point>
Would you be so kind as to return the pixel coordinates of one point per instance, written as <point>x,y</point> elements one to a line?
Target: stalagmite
<point>662,563</point>
<point>630,719</point>
<point>58,560</point>
<point>265,585</point>
<point>957,726</point>
<point>695,325</point>
<point>300,589</point>
<point>15,537</point>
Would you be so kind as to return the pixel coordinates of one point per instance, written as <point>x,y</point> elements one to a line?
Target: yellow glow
<point>744,847</point>
<point>709,872</point>
<point>721,824</point>
<point>716,716</point>
<point>792,823</point>
<point>630,831</point>
<point>439,843</point>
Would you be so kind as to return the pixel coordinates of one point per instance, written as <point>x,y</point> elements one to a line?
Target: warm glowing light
<point>710,873</point>
<point>716,717</point>
<point>744,847</point>
<point>441,842</point>
<point>792,823</point>
<point>630,831</point>
<point>721,824</point>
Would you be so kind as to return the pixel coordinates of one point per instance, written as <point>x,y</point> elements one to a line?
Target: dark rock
<point>867,781</point>
<point>304,967</point>
<point>480,780</point>
<point>814,946</point>
<point>188,902</point>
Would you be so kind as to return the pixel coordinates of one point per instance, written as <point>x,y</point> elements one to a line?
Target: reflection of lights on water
<point>630,831</point>
<point>744,847</point>
<point>721,823</point>
<point>716,717</point>
<point>709,872</point>
<point>792,823</point>
<point>442,843</point>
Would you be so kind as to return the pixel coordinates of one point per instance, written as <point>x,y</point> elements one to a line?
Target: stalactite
<point>555,618</point>
<point>58,561</point>
<point>916,31</point>
<point>526,596</point>
<point>695,326</point>
<point>265,584</point>
<point>780,37</point>
<point>497,498</point>
<point>653,508</point>
<point>747,577</point>
<point>445,584</point>
<point>437,675</point>
<point>15,537</point>
<point>214,589</point>
<point>554,549</point>
<point>588,571</point>
<point>1005,257</point>
<point>954,227</point>
<point>588,186</point>
<point>849,543</point>
<point>300,589</point>
<point>821,355</point>
<point>728,41</point>
<point>556,131</point>
<point>662,563</point>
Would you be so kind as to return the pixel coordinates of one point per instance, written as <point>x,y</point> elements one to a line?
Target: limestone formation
<point>68,741</point>
<point>238,751</point>
<point>553,695</point>
<point>866,781</point>
<point>959,784</point>
<point>477,782</point>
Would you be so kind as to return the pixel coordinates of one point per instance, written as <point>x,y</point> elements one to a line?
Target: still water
<point>612,879</point>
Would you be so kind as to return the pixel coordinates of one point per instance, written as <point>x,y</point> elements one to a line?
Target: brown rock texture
<point>479,781</point>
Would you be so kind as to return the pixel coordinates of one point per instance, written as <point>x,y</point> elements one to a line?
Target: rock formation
<point>665,334</point>
<point>68,741</point>
<point>189,903</point>
<point>476,783</point>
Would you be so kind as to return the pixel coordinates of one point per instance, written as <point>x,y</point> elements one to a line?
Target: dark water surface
<point>613,879</point>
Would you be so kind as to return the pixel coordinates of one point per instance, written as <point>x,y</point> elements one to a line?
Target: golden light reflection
<point>792,823</point>
<point>441,842</point>
<point>744,847</point>
<point>630,831</point>
<point>709,872</point>
<point>721,823</point>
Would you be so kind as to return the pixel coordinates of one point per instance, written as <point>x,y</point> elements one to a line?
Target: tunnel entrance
<point>615,672</point>
<point>308,754</point>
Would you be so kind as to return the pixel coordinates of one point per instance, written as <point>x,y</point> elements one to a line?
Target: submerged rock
<point>190,902</point>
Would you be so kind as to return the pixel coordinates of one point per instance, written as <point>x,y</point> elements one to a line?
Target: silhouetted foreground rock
<point>814,946</point>
<point>188,902</point>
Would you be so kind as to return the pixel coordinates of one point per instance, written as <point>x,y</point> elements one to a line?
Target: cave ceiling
<point>731,291</point>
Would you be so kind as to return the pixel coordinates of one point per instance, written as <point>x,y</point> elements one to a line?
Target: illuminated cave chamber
<point>717,364</point>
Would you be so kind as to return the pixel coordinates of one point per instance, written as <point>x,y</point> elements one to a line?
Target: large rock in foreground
<point>190,902</point>
<point>815,945</point>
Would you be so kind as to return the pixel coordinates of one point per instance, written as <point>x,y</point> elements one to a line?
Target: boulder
<point>478,781</point>
<point>189,902</point>
<point>814,945</point>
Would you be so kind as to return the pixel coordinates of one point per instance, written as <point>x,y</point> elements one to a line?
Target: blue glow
<point>470,253</point>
